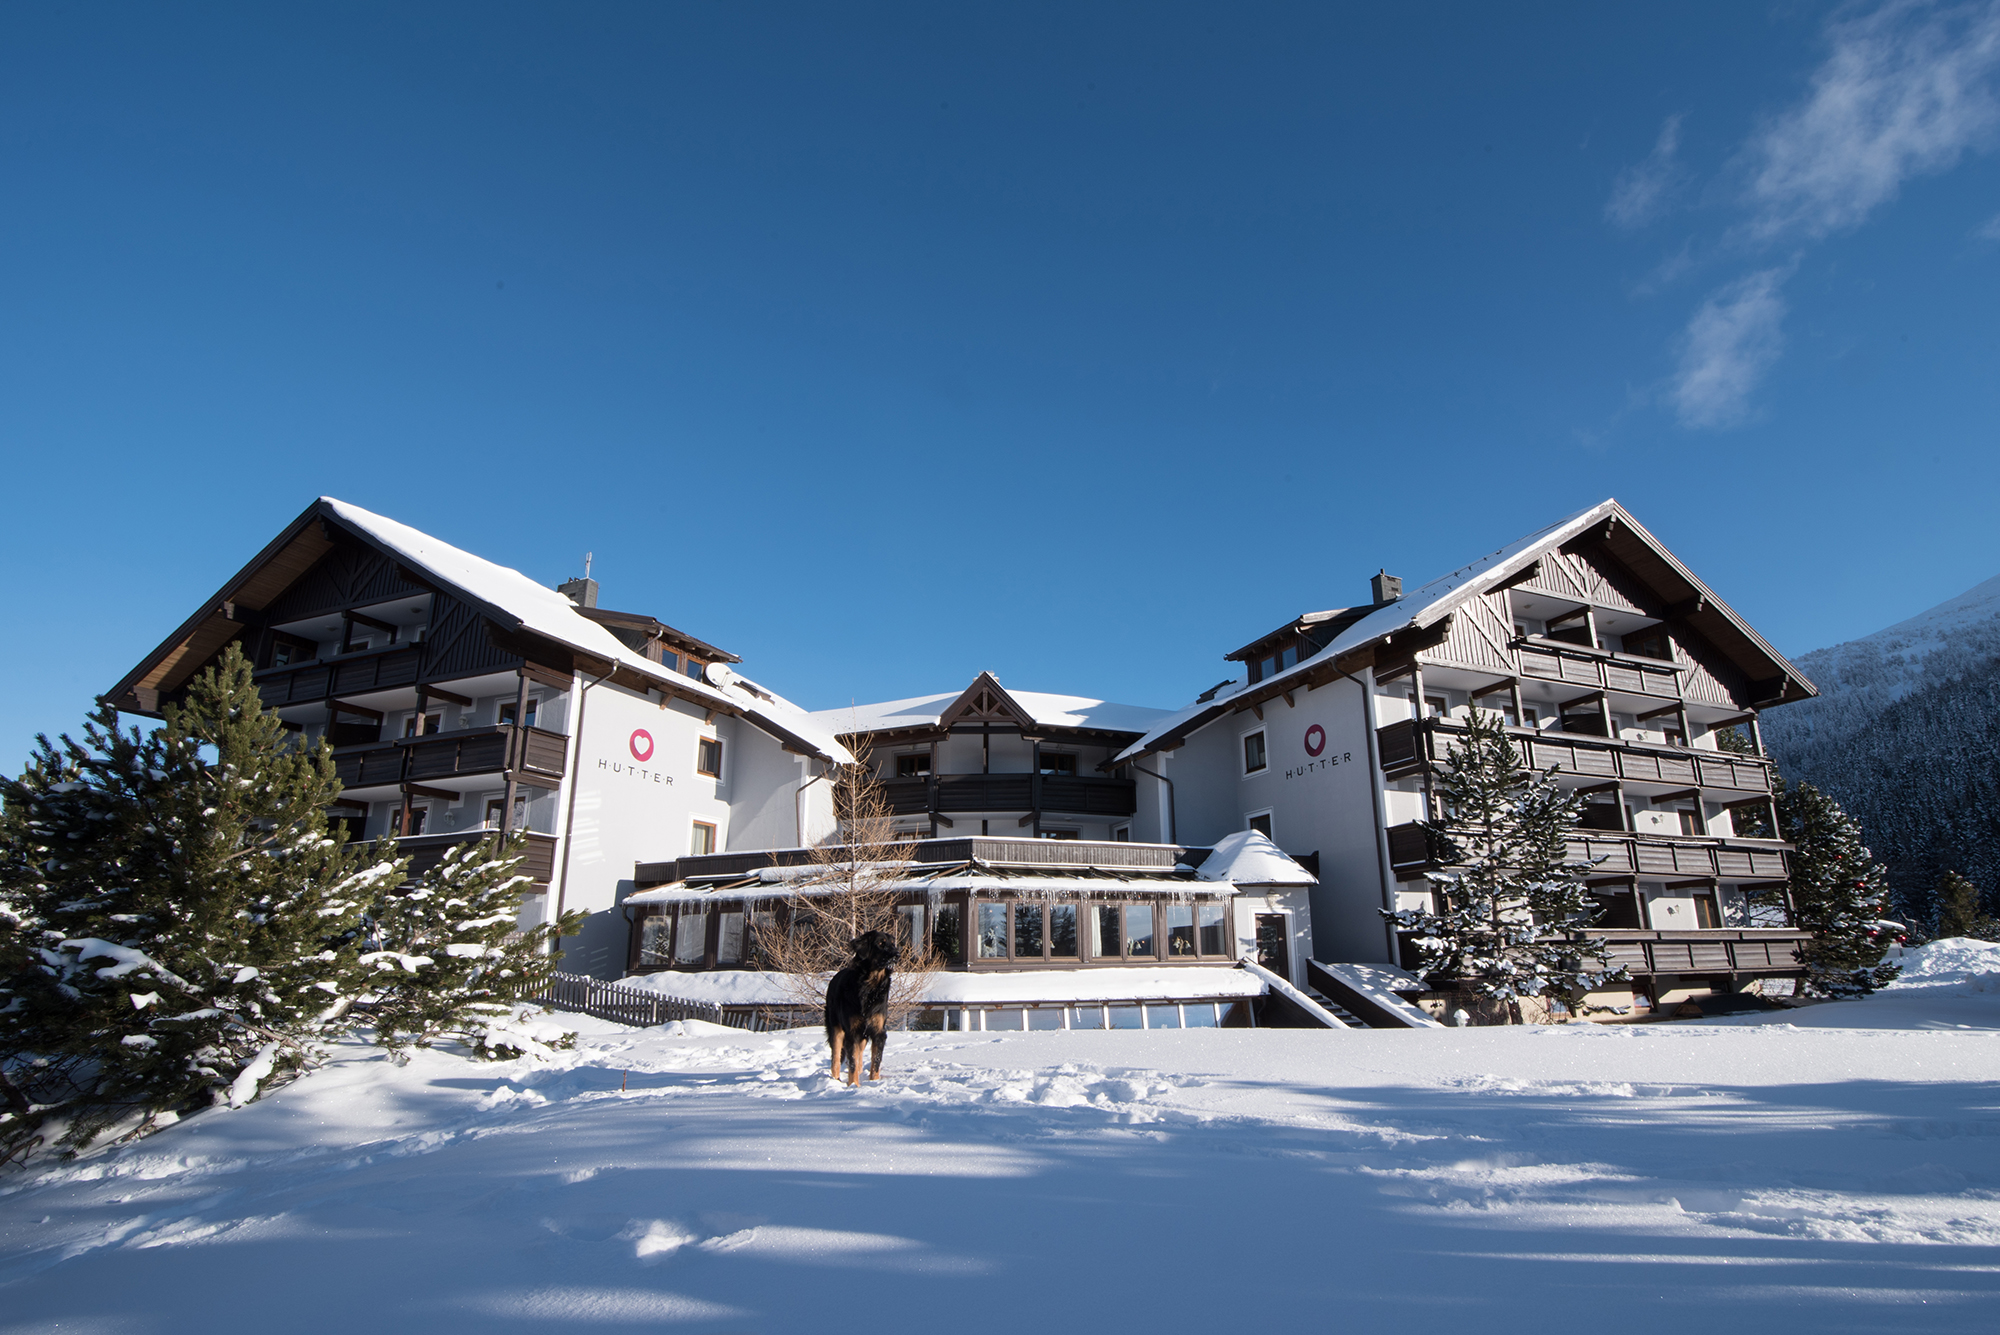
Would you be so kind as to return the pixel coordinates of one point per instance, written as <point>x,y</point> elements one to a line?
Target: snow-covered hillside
<point>1905,735</point>
<point>1826,1168</point>
<point>1859,679</point>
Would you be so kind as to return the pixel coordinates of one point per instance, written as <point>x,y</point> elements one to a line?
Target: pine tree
<point>1959,912</point>
<point>1838,893</point>
<point>182,920</point>
<point>1514,912</point>
<point>447,957</point>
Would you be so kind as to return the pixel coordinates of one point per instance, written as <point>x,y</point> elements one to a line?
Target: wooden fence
<point>634,1005</point>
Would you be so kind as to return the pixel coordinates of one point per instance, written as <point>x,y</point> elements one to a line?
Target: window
<point>281,654</point>
<point>1027,931</point>
<point>909,926</point>
<point>412,823</point>
<point>702,840</point>
<point>945,938</point>
<point>708,757</point>
<point>1573,628</point>
<point>993,931</point>
<point>1648,643</point>
<point>1122,835</point>
<point>1107,941</point>
<point>913,767</point>
<point>1178,919</point>
<point>764,939</point>
<point>1691,822</point>
<point>1139,931</point>
<point>691,937</point>
<point>1211,919</point>
<point>696,670</point>
<point>1062,834</point>
<point>1261,823</point>
<point>729,940</point>
<point>655,930</point>
<point>507,710</point>
<point>1253,753</point>
<point>1436,705</point>
<point>1057,763</point>
<point>431,723</point>
<point>1062,931</point>
<point>496,807</point>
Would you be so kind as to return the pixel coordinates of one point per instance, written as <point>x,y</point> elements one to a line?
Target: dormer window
<point>1058,763</point>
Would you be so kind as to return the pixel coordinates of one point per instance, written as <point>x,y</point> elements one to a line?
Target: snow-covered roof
<point>751,987</point>
<point>773,882</point>
<point>1431,603</point>
<point>509,595</point>
<point>1053,711</point>
<point>1248,857</point>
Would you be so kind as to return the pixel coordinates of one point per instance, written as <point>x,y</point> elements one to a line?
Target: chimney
<point>1386,587</point>
<point>582,592</point>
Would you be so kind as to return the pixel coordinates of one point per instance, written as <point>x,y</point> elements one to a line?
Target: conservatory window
<point>1027,931</point>
<point>1139,930</point>
<point>1062,931</point>
<point>691,937</point>
<point>1178,919</point>
<point>993,931</point>
<point>1210,918</point>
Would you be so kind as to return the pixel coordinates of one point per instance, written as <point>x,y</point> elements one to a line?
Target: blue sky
<point>886,343</point>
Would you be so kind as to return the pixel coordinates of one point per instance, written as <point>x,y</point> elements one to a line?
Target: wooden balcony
<point>1736,950</point>
<point>425,851</point>
<point>1070,795</point>
<point>370,670</point>
<point>1410,746</point>
<point>1411,854</point>
<point>1598,669</point>
<point>453,755</point>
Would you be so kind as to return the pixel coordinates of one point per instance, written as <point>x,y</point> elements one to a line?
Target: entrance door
<point>1273,944</point>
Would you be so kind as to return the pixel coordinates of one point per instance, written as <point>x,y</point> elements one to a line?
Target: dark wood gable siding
<point>1478,635</point>
<point>351,575</point>
<point>459,642</point>
<point>1586,576</point>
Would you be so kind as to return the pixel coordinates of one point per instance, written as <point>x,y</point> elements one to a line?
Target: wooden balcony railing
<point>451,755</point>
<point>1410,745</point>
<point>425,851</point>
<point>1410,851</point>
<point>1579,666</point>
<point>1714,950</point>
<point>370,670</point>
<point>1072,795</point>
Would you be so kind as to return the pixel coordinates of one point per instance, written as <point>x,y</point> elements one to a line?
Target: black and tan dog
<point>857,1004</point>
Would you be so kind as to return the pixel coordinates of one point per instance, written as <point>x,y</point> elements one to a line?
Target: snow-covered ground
<point>1833,1168</point>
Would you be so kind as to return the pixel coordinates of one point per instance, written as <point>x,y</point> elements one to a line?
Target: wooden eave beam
<point>440,693</point>
<point>366,620</point>
<point>342,707</point>
<point>435,794</point>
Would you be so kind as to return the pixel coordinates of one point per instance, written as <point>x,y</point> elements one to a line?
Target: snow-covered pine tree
<point>184,918</point>
<point>446,953</point>
<point>1959,912</point>
<point>1839,893</point>
<point>1513,914</point>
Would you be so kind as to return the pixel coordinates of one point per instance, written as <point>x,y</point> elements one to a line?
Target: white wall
<point>1322,803</point>
<point>636,799</point>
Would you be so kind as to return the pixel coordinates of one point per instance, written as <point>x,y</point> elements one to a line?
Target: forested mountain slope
<point>1906,736</point>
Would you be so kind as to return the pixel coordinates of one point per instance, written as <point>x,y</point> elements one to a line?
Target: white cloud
<point>1729,344</point>
<point>1904,92</point>
<point>1989,230</point>
<point>1641,191</point>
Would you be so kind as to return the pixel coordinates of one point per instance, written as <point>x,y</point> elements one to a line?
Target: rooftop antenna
<point>586,564</point>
